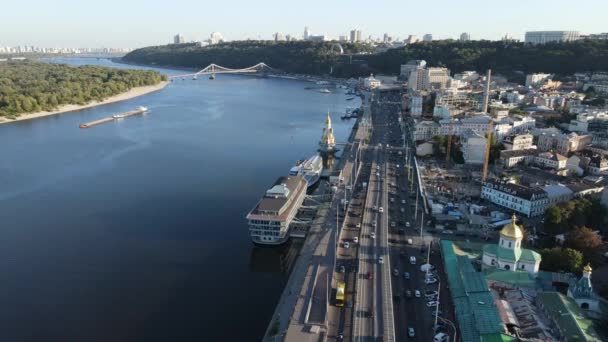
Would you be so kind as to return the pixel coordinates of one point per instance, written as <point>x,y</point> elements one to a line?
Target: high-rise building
<point>385,38</point>
<point>542,37</point>
<point>178,39</point>
<point>355,36</point>
<point>279,37</point>
<point>343,38</point>
<point>411,39</point>
<point>465,37</point>
<point>427,37</point>
<point>306,33</point>
<point>413,65</point>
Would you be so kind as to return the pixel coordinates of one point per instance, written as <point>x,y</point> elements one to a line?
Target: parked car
<point>430,281</point>
<point>372,235</point>
<point>342,269</point>
<point>356,239</point>
<point>408,294</point>
<point>380,210</point>
<point>381,260</point>
<point>370,275</point>
<point>432,304</point>
<point>406,275</point>
<point>346,245</point>
<point>407,224</point>
<point>417,294</point>
<point>431,293</point>
<point>395,272</point>
<point>411,332</point>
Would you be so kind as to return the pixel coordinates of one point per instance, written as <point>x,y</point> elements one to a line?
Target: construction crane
<point>449,147</point>
<point>488,148</point>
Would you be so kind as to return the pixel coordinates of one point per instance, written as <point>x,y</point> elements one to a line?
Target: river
<point>135,230</point>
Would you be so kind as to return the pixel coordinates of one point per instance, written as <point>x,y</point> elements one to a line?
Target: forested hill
<point>306,57</point>
<point>508,58</point>
<point>28,86</point>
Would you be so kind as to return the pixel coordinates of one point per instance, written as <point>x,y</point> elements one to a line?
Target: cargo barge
<point>139,110</point>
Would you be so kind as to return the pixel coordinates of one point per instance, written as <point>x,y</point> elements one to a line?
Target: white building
<point>519,142</point>
<point>473,146</point>
<point>307,33</point>
<point>508,253</point>
<point>550,160</point>
<point>371,82</point>
<point>425,130</point>
<point>279,37</point>
<point>416,105</point>
<point>216,38</point>
<point>525,200</point>
<point>542,37</point>
<point>435,78</point>
<point>535,80</point>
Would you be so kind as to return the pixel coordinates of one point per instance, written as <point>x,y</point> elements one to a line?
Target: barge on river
<point>137,111</point>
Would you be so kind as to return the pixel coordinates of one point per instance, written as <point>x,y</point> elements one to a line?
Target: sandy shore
<point>135,92</point>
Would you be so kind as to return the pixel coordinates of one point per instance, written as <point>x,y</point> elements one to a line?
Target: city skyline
<point>70,24</point>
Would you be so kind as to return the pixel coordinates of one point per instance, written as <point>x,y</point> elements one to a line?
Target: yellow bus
<point>340,293</point>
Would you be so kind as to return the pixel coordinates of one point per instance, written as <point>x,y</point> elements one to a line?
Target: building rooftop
<point>517,190</point>
<point>567,316</point>
<point>517,153</point>
<point>275,199</point>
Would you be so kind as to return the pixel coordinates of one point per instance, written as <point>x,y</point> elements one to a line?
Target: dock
<point>139,110</point>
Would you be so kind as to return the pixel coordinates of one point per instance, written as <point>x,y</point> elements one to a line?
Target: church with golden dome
<point>508,254</point>
<point>328,141</point>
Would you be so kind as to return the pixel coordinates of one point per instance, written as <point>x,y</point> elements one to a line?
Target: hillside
<point>508,58</point>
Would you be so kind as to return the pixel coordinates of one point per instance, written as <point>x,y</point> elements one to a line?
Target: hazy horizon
<point>69,23</point>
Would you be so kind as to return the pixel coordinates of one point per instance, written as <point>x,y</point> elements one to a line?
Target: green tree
<point>561,259</point>
<point>584,240</point>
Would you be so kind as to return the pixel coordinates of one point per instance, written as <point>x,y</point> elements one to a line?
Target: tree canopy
<point>557,259</point>
<point>28,86</point>
<point>511,59</point>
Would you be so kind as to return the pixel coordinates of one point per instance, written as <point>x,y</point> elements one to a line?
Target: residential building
<point>279,37</point>
<point>473,146</point>
<point>465,37</point>
<point>594,163</point>
<point>510,158</point>
<point>216,38</point>
<point>548,139</point>
<point>550,160</point>
<point>178,39</point>
<point>542,37</point>
<point>425,130</point>
<point>528,201</point>
<point>535,80</point>
<point>435,78</point>
<point>519,142</point>
<point>407,69</point>
<point>355,36</point>
<point>416,101</point>
<point>508,253</point>
<point>557,193</point>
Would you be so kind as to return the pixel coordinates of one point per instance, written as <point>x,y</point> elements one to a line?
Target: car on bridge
<point>411,332</point>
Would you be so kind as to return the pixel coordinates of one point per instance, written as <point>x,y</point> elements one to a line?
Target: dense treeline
<point>28,86</point>
<point>304,57</point>
<point>511,59</point>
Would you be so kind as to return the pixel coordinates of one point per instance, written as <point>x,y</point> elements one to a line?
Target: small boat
<point>194,78</point>
<point>212,77</point>
<point>350,99</point>
<point>324,91</point>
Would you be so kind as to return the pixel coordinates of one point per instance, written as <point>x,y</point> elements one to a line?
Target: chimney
<point>486,95</point>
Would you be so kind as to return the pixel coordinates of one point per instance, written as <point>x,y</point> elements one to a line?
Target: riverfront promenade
<point>302,311</point>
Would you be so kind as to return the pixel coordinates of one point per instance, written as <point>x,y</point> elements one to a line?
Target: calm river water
<point>135,230</point>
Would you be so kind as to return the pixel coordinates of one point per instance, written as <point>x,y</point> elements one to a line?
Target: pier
<point>303,312</point>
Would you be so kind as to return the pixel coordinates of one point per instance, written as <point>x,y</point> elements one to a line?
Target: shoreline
<point>132,93</point>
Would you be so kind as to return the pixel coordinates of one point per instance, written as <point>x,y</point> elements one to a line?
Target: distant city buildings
<point>178,39</point>
<point>355,36</point>
<point>307,33</point>
<point>542,37</point>
<point>279,37</point>
<point>25,49</point>
<point>534,80</point>
<point>427,37</point>
<point>465,37</point>
<point>216,38</point>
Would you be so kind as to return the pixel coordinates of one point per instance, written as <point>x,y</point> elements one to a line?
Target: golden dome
<point>512,230</point>
<point>587,269</point>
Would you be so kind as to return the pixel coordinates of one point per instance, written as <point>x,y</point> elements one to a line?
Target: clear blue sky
<point>135,23</point>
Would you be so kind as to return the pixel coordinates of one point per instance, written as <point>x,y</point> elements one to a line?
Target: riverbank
<point>134,92</point>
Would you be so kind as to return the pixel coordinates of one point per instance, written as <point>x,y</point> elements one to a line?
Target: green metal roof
<point>476,313</point>
<point>517,278</point>
<point>567,317</point>
<point>508,254</point>
<point>529,255</point>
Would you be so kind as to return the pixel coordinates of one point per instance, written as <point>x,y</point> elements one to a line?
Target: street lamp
<point>445,320</point>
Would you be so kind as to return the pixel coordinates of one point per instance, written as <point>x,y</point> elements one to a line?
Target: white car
<point>358,225</point>
<point>346,245</point>
<point>432,304</point>
<point>372,235</point>
<point>374,224</point>
<point>356,239</point>
<point>417,294</point>
<point>380,210</point>
<point>407,224</point>
<point>381,260</point>
<point>402,201</point>
<point>430,281</point>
